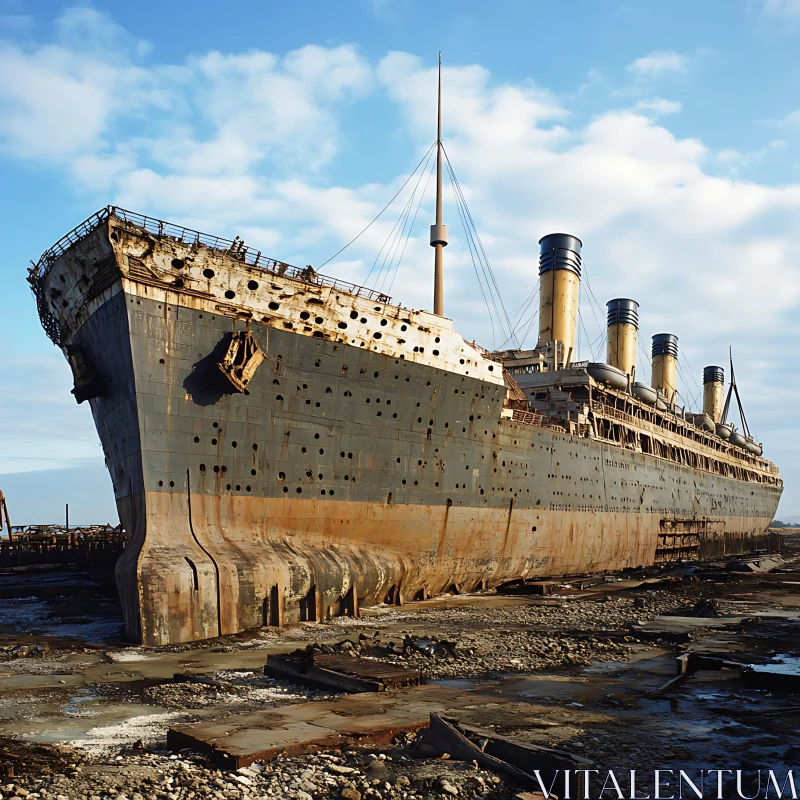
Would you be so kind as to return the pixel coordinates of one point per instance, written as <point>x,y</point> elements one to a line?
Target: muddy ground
<point>83,714</point>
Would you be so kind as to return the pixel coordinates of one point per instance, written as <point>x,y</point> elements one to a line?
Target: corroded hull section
<point>354,469</point>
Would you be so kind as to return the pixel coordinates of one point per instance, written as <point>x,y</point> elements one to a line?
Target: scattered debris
<point>513,760</point>
<point>342,673</point>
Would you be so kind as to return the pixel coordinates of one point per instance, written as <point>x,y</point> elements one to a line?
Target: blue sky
<point>665,134</point>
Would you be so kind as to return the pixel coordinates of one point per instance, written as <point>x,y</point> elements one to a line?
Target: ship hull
<point>233,530</point>
<point>370,458</point>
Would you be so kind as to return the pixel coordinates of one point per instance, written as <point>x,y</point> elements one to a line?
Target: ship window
<point>216,467</point>
<point>354,315</point>
<point>285,488</point>
<point>319,320</point>
<point>177,263</point>
<point>196,439</point>
<point>202,468</point>
<point>161,483</point>
<point>230,294</point>
<point>255,447</point>
<point>383,322</point>
<point>213,441</point>
<point>363,320</point>
<point>208,273</point>
<point>282,476</point>
<point>274,306</point>
<point>342,325</point>
<point>404,327</point>
<point>377,335</point>
<point>252,285</point>
<point>247,488</point>
<point>304,315</point>
<point>252,472</point>
<point>299,490</point>
<point>172,483</point>
<point>436,353</point>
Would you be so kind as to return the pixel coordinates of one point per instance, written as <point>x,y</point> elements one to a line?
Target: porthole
<point>161,483</point>
<point>252,472</point>
<point>299,490</point>
<point>436,353</point>
<point>274,306</point>
<point>342,325</point>
<point>319,320</point>
<point>213,441</point>
<point>377,335</point>
<point>437,340</point>
<point>404,327</point>
<point>384,322</point>
<point>208,273</point>
<point>282,476</point>
<point>304,315</point>
<point>238,488</point>
<point>202,468</point>
<point>363,320</point>
<point>196,439</point>
<point>252,285</point>
<point>172,483</point>
<point>216,467</point>
<point>354,315</point>
<point>230,294</point>
<point>285,489</point>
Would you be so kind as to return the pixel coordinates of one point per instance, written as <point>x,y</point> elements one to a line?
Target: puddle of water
<point>34,616</point>
<point>456,683</point>
<point>95,722</point>
<point>785,665</point>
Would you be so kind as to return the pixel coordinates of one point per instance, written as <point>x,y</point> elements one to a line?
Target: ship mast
<point>438,231</point>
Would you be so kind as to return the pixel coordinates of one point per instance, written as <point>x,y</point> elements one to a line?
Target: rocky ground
<point>559,637</point>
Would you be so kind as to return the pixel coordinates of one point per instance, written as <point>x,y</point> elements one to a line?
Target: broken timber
<point>340,673</point>
<point>514,760</point>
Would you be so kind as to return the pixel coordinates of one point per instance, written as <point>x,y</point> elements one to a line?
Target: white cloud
<point>658,62</point>
<point>790,121</point>
<point>784,8</point>
<point>227,142</point>
<point>659,106</point>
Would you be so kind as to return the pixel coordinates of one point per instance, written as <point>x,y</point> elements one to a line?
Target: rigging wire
<point>411,227</point>
<point>381,211</point>
<point>489,275</point>
<point>392,240</point>
<point>473,253</point>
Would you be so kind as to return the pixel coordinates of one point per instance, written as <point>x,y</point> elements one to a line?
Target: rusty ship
<point>286,446</point>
